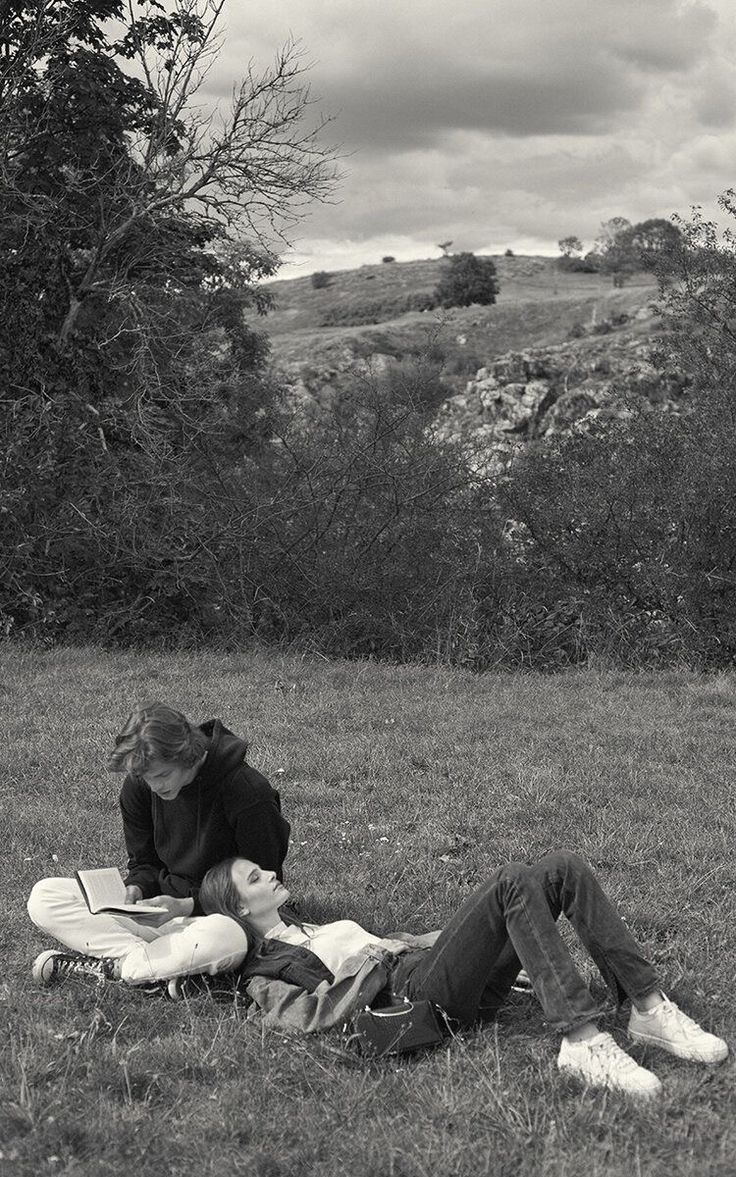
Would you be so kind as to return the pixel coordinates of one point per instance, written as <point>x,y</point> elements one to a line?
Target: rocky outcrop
<point>547,391</point>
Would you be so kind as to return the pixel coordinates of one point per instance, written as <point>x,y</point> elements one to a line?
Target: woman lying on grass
<point>311,977</point>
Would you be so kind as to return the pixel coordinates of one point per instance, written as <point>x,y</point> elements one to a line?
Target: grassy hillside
<point>537,305</point>
<point>405,786</point>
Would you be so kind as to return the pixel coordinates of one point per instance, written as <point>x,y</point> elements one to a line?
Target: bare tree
<point>134,222</point>
<point>243,172</point>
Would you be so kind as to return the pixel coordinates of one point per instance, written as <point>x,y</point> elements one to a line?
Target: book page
<point>104,890</point>
<point>103,887</point>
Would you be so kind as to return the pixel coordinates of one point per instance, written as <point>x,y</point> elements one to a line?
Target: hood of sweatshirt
<point>225,753</point>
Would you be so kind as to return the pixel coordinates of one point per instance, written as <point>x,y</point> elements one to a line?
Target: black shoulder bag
<point>397,1029</point>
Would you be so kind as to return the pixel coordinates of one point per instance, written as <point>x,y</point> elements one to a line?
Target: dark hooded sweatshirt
<point>228,809</point>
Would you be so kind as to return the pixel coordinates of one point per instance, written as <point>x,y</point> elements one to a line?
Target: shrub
<point>388,259</point>
<point>365,547</point>
<point>697,275</point>
<point>462,363</point>
<point>467,280</point>
<point>631,528</point>
<point>320,279</point>
<point>359,313</point>
<point>509,253</point>
<point>578,265</point>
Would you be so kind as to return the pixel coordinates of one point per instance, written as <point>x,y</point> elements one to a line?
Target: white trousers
<point>184,944</point>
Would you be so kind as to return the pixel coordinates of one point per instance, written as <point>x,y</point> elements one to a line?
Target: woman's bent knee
<point>564,861</point>
<point>557,863</point>
<point>513,872</point>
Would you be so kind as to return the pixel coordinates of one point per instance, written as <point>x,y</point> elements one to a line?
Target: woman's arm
<point>426,940</point>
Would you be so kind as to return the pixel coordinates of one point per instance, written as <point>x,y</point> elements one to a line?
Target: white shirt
<point>332,943</point>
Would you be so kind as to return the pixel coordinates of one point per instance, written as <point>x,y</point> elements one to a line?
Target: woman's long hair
<point>219,895</point>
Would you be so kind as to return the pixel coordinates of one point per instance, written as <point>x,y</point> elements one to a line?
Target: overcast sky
<point>501,123</point>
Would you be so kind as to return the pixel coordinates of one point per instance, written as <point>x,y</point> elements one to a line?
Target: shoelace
<point>673,1013</point>
<point>612,1052</point>
<point>96,966</point>
<point>64,964</point>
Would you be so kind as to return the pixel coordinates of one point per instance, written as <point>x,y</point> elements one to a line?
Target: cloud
<point>714,102</point>
<point>501,121</point>
<point>379,115</point>
<point>402,75</point>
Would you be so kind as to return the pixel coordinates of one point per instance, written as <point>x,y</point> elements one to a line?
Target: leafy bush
<point>630,529</point>
<point>462,363</point>
<point>697,275</point>
<point>378,311</point>
<point>590,264</point>
<point>363,546</point>
<point>467,280</point>
<point>388,259</point>
<point>321,279</point>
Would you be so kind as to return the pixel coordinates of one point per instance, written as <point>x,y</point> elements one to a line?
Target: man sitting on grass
<point>189,799</point>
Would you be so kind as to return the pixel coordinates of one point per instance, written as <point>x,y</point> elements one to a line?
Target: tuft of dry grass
<point>405,787</point>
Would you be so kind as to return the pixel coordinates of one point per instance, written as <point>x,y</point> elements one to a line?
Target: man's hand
<point>133,894</point>
<point>173,907</point>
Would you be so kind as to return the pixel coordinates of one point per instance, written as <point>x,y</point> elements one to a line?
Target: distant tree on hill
<point>388,259</point>
<point>613,250</point>
<point>320,279</point>
<point>569,260</point>
<point>445,247</point>
<point>509,253</point>
<point>468,279</point>
<point>569,246</point>
<point>649,239</point>
<point>624,248</point>
<point>609,231</point>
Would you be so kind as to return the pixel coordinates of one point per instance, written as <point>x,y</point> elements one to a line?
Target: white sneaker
<point>600,1062</point>
<point>668,1027</point>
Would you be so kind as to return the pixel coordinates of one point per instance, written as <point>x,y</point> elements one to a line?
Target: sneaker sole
<point>680,1052</point>
<point>39,965</point>
<point>635,1092</point>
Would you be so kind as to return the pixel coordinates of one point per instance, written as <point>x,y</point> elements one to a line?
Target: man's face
<point>167,778</point>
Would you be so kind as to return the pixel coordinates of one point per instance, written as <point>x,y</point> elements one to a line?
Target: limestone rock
<point>544,392</point>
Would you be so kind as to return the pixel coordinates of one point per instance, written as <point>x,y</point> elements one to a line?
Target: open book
<point>104,890</point>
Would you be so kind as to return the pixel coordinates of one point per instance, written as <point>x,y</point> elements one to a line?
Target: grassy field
<point>405,786</point>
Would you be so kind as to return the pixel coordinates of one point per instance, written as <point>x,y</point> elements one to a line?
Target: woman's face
<point>259,891</point>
